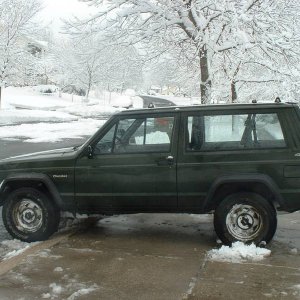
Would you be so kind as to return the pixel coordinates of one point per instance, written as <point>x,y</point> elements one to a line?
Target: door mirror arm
<point>90,151</point>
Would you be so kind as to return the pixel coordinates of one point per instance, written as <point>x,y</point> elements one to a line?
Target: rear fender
<point>247,181</point>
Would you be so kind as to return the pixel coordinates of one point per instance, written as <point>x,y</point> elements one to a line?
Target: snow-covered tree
<point>204,28</point>
<point>15,27</point>
<point>173,72</point>
<point>90,63</point>
<point>267,65</point>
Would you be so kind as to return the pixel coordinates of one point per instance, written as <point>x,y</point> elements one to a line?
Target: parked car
<point>240,161</point>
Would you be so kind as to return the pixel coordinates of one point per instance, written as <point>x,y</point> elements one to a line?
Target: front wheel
<point>29,215</point>
<point>245,217</point>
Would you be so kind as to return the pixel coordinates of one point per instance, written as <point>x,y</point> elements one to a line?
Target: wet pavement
<point>154,256</point>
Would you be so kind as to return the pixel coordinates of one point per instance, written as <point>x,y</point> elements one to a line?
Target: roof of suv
<point>210,107</point>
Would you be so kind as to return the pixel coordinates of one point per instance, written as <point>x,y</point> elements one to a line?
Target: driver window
<point>105,145</point>
<point>145,135</point>
<point>137,136</point>
<point>113,136</point>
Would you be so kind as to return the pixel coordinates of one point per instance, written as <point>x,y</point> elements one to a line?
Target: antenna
<point>277,100</point>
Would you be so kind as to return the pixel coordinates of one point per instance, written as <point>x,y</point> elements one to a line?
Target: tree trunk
<point>233,92</point>
<point>205,86</point>
<point>88,91</point>
<point>234,100</point>
<point>0,95</point>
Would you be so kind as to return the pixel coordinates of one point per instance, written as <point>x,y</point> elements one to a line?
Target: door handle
<point>165,161</point>
<point>170,160</point>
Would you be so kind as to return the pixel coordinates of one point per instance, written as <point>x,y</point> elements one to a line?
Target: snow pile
<point>29,98</point>
<point>130,92</point>
<point>51,132</point>
<point>121,101</point>
<point>90,111</point>
<point>13,248</point>
<point>238,252</point>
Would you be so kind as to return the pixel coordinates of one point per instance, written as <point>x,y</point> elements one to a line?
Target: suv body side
<point>196,178</point>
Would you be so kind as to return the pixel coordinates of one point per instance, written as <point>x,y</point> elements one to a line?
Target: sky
<point>55,10</point>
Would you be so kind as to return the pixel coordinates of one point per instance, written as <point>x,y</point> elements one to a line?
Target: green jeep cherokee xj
<point>240,161</point>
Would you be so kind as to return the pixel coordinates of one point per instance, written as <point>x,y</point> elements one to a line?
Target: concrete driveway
<point>152,257</point>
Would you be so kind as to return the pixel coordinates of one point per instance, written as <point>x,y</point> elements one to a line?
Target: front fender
<point>32,178</point>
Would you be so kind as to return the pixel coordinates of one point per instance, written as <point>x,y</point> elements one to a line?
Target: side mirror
<point>90,151</point>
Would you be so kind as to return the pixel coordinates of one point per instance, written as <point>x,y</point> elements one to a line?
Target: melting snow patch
<point>58,269</point>
<point>294,251</point>
<point>82,292</point>
<point>14,247</point>
<point>238,252</point>
<point>56,289</point>
<point>296,287</point>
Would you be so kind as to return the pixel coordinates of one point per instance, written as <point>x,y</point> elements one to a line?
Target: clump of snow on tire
<point>238,252</point>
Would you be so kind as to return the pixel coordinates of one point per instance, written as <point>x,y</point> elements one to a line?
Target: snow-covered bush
<point>46,89</point>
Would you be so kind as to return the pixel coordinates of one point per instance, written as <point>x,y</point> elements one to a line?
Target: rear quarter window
<point>234,131</point>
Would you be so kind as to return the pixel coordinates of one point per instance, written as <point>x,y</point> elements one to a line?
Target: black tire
<point>245,217</point>
<point>29,215</point>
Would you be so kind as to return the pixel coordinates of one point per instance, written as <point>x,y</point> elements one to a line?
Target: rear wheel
<point>245,217</point>
<point>29,215</point>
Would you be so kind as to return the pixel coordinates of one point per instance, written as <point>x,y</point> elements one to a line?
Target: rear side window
<point>229,132</point>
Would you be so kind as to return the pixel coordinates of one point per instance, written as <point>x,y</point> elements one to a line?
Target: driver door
<point>133,168</point>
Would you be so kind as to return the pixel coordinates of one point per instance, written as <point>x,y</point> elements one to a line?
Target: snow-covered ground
<point>29,114</point>
<point>21,116</point>
<point>33,116</point>
<point>50,132</point>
